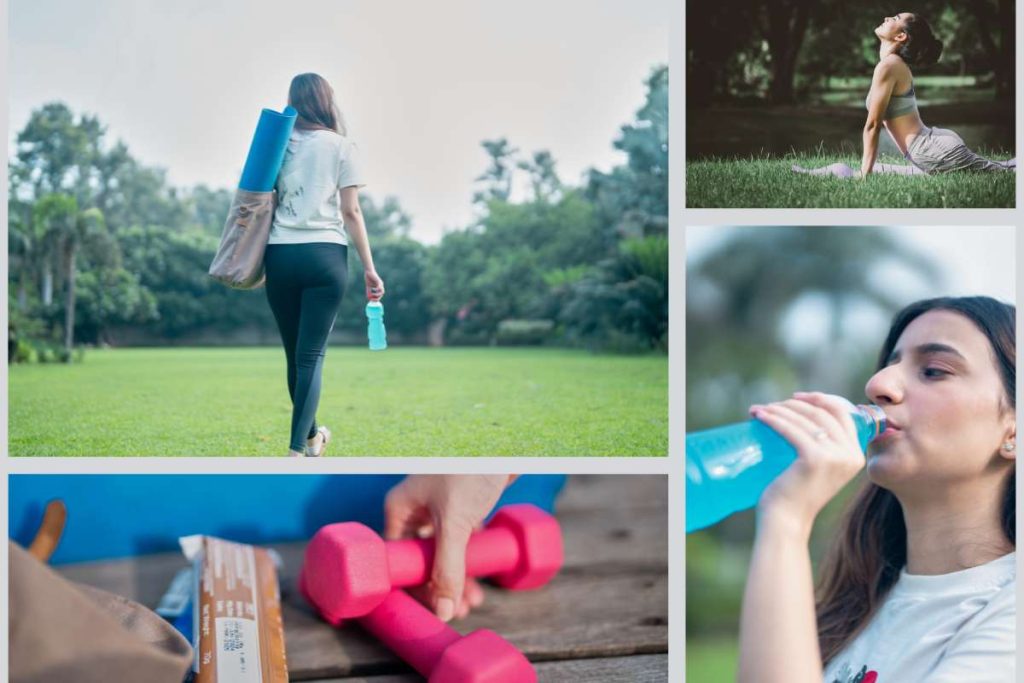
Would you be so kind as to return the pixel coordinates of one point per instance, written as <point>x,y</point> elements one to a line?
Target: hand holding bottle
<point>374,285</point>
<point>729,467</point>
<point>829,454</point>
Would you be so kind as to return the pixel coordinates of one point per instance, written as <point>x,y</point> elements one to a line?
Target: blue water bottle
<point>728,467</point>
<point>375,326</point>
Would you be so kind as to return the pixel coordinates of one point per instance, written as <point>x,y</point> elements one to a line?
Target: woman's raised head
<point>913,35</point>
<point>947,381</point>
<point>994,319</point>
<point>313,98</point>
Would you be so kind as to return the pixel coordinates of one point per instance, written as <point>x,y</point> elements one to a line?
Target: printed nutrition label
<point>233,580</point>
<point>229,589</point>
<point>237,650</point>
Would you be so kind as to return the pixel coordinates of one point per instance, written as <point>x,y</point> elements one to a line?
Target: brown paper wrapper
<point>238,632</point>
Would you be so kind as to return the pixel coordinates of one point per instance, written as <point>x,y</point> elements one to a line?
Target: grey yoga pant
<point>305,283</point>
<point>937,150</point>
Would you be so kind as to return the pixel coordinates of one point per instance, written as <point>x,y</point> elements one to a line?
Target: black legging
<point>305,283</point>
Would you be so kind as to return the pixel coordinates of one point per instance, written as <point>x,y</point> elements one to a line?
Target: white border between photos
<point>677,344</point>
<point>4,458</point>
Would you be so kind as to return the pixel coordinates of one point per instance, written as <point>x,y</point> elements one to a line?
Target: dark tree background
<point>764,48</point>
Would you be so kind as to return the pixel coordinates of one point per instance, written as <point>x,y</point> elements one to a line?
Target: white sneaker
<point>312,452</point>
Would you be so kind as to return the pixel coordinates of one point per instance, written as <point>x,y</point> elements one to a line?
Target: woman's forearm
<point>870,149</point>
<point>355,226</point>
<point>778,628</point>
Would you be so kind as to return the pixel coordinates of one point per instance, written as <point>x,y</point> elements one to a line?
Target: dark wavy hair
<point>313,98</point>
<point>921,48</point>
<point>870,548</point>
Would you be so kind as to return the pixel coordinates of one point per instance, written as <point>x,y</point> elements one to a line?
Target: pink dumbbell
<point>349,569</point>
<point>437,650</point>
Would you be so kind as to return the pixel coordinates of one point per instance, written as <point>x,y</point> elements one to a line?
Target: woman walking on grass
<point>920,582</point>
<point>306,257</point>
<point>907,41</point>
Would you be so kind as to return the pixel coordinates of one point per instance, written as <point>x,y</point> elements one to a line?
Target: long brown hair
<point>313,98</point>
<point>871,547</point>
<point>921,48</point>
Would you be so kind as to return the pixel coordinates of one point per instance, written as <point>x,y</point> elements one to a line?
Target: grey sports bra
<point>898,104</point>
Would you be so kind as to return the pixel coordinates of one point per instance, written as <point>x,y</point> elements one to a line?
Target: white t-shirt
<point>317,163</point>
<point>949,628</point>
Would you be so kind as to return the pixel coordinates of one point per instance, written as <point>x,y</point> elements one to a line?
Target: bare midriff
<point>903,129</point>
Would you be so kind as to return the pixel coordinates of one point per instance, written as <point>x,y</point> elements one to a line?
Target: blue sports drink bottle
<point>727,468</point>
<point>375,326</point>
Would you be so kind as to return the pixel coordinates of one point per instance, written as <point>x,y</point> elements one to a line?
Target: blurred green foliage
<point>712,661</point>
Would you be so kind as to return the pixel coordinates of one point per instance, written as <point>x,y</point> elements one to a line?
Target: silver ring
<point>819,435</point>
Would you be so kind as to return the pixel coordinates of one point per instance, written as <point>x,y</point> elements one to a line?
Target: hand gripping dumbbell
<point>349,569</point>
<point>437,650</point>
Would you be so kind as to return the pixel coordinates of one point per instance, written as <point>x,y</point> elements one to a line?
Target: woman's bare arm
<point>778,628</point>
<point>355,226</point>
<point>778,625</point>
<point>882,84</point>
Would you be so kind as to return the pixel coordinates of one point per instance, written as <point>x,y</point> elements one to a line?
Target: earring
<point>1009,446</point>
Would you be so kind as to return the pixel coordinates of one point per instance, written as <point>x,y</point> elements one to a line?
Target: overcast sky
<point>420,84</point>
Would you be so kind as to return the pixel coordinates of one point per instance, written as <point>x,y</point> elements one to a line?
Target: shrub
<point>513,332</point>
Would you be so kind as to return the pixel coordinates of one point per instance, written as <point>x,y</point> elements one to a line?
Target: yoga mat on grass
<point>266,153</point>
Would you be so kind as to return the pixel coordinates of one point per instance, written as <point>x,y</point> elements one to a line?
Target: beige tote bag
<point>239,259</point>
<point>62,632</point>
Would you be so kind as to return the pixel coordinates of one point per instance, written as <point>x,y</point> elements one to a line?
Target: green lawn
<point>404,401</point>
<point>771,183</point>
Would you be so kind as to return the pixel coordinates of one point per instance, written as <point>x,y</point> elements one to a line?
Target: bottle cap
<point>876,415</point>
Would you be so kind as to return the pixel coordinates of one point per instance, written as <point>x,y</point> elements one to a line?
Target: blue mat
<point>267,150</point>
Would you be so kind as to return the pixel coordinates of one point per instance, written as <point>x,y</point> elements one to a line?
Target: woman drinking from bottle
<point>306,259</point>
<point>920,582</point>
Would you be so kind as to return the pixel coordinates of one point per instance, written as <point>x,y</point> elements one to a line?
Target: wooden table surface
<point>603,618</point>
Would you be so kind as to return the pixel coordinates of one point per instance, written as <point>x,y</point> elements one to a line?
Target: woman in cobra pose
<point>907,41</point>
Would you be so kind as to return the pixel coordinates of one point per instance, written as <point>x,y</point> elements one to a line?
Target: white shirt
<point>317,163</point>
<point>949,628</point>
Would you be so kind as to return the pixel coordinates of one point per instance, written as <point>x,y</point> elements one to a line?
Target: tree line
<point>779,50</point>
<point>103,250</point>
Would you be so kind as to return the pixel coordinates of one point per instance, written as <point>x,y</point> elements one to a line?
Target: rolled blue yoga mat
<point>267,150</point>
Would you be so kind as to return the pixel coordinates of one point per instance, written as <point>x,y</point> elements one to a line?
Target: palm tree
<point>21,245</point>
<point>89,230</point>
<point>52,216</point>
<point>21,252</point>
<point>71,230</point>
